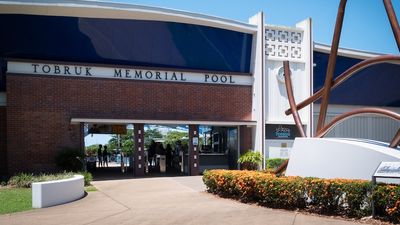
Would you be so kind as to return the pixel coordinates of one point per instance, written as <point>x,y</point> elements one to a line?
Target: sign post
<point>389,170</point>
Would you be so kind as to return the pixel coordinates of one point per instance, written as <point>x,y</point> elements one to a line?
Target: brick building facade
<point>40,110</point>
<point>64,67</point>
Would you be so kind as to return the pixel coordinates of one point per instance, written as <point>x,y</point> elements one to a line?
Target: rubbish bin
<point>91,163</point>
<point>163,163</point>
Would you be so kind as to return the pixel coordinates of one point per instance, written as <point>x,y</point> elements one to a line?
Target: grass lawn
<point>15,200</point>
<point>90,188</point>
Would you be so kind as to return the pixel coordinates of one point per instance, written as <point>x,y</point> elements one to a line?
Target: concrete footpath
<point>166,200</point>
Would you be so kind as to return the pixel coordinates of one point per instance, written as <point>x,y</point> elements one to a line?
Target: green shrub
<point>22,180</point>
<point>87,177</point>
<point>70,159</point>
<point>3,180</point>
<point>350,198</point>
<point>250,160</point>
<point>273,164</point>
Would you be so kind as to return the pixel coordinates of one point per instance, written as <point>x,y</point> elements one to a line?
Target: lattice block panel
<point>284,44</point>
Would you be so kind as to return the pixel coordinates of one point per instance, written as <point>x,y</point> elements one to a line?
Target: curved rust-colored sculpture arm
<point>282,167</point>
<point>393,21</point>
<point>396,140</point>
<point>353,113</point>
<point>331,65</point>
<point>346,75</point>
<point>292,102</point>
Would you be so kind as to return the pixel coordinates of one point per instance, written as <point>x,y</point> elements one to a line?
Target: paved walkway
<point>165,200</point>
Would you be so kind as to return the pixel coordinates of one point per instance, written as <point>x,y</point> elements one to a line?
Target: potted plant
<point>250,160</point>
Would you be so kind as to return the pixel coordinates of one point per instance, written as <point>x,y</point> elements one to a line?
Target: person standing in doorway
<point>105,156</point>
<point>169,152</point>
<point>122,162</point>
<point>100,155</point>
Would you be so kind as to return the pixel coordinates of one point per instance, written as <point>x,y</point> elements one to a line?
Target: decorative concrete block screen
<point>50,193</point>
<point>284,43</point>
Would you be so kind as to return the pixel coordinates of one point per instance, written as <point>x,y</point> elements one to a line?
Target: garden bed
<point>50,193</point>
<point>347,198</point>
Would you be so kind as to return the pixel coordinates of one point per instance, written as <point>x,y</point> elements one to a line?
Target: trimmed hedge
<point>349,198</point>
<point>387,202</point>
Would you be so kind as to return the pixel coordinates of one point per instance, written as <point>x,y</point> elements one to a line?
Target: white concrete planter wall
<point>50,193</point>
<point>338,158</point>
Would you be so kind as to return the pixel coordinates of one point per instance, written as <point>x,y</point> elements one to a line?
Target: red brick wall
<point>40,108</point>
<point>3,140</point>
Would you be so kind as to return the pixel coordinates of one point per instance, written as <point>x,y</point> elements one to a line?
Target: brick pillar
<point>245,139</point>
<point>82,136</point>
<point>193,150</point>
<point>3,140</point>
<point>139,160</point>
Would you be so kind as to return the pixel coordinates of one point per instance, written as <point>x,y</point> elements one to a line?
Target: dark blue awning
<point>378,85</point>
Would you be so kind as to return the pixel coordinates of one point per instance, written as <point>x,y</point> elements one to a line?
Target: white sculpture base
<point>338,158</point>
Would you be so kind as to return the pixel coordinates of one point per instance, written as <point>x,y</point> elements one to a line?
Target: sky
<point>97,139</point>
<point>365,27</point>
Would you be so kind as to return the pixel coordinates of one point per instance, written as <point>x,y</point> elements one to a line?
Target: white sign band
<point>70,70</point>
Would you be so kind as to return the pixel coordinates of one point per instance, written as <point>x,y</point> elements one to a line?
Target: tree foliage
<point>173,136</point>
<point>92,149</point>
<point>149,135</point>
<point>126,142</point>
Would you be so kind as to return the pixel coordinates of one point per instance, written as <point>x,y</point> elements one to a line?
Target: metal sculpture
<point>330,84</point>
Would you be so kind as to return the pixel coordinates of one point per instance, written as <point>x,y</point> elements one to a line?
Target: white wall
<point>292,44</point>
<point>257,66</point>
<point>50,193</point>
<point>278,149</point>
<point>338,158</point>
<point>295,45</point>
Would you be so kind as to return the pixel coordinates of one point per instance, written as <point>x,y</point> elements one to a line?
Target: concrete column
<point>193,150</point>
<point>139,160</point>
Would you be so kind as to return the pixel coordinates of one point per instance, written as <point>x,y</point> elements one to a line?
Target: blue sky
<point>365,26</point>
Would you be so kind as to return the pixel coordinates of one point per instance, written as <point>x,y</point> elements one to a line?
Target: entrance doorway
<point>165,149</point>
<point>108,149</point>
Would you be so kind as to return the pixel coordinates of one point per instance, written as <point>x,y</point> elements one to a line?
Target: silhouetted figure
<point>168,152</point>
<point>160,149</point>
<point>105,156</point>
<point>100,155</point>
<point>122,162</point>
<point>177,156</point>
<point>151,152</point>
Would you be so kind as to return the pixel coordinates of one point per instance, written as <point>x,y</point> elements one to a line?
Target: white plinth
<point>338,158</point>
<point>50,193</point>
